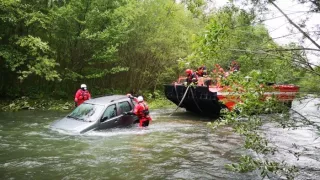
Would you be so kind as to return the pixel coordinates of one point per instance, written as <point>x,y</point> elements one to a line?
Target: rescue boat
<point>207,98</point>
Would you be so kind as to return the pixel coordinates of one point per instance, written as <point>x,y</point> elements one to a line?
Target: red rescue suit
<point>81,96</point>
<point>192,77</point>
<point>141,109</point>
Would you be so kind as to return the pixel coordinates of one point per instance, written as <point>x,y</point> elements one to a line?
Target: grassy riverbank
<point>26,103</point>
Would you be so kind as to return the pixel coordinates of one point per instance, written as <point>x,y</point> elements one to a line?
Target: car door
<point>125,120</point>
<point>110,118</point>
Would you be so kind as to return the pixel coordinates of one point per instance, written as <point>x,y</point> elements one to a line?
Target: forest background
<point>48,48</point>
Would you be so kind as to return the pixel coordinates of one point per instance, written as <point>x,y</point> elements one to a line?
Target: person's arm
<point>148,116</point>
<point>135,99</point>
<point>132,97</point>
<point>89,95</point>
<point>194,78</point>
<point>136,109</point>
<point>189,78</point>
<point>76,97</point>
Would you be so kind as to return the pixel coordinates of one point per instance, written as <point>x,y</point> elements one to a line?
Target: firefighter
<point>141,110</point>
<point>234,67</point>
<point>191,76</point>
<point>218,71</point>
<point>219,74</point>
<point>202,71</point>
<point>82,95</point>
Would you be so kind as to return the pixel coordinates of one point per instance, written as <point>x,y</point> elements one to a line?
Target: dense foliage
<point>114,45</point>
<point>232,34</point>
<point>121,46</point>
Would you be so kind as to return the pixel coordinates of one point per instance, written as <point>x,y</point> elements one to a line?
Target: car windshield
<point>87,112</point>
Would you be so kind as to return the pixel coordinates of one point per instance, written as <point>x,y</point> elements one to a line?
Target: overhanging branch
<point>264,52</point>
<point>293,49</point>
<point>295,25</point>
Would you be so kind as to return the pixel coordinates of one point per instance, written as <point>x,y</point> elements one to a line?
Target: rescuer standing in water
<point>82,95</point>
<point>141,110</point>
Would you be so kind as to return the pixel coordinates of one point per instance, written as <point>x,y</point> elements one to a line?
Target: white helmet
<point>83,86</point>
<point>140,99</point>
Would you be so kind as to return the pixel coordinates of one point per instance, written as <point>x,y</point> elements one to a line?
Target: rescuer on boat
<point>82,95</point>
<point>218,71</point>
<point>201,71</point>
<point>141,110</point>
<point>234,67</point>
<point>191,76</point>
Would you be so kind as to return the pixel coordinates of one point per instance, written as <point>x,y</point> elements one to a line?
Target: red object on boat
<point>208,97</point>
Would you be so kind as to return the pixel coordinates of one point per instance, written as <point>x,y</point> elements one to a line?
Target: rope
<point>195,101</point>
<point>175,88</point>
<point>181,100</point>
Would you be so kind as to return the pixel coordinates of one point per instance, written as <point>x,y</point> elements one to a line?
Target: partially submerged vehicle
<point>98,114</point>
<point>208,98</point>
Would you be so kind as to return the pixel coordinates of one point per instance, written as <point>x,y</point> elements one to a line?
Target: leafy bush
<point>26,103</point>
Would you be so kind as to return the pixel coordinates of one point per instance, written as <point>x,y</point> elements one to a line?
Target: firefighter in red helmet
<point>82,95</point>
<point>191,76</point>
<point>141,110</point>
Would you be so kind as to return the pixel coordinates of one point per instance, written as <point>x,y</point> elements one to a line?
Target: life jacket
<point>145,112</point>
<point>191,76</point>
<point>84,95</point>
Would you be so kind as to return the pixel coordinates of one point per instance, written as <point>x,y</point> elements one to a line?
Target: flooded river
<point>176,147</point>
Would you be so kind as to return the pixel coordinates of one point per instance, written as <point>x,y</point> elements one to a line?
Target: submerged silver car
<point>99,113</point>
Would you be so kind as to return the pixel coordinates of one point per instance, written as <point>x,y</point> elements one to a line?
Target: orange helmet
<point>188,71</point>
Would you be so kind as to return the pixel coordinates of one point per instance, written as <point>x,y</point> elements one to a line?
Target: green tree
<point>23,52</point>
<point>159,37</point>
<point>232,34</point>
<point>122,44</point>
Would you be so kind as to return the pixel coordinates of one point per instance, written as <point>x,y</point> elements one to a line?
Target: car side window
<point>110,112</point>
<point>124,107</point>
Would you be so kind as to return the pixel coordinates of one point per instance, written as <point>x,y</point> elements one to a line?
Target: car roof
<point>106,99</point>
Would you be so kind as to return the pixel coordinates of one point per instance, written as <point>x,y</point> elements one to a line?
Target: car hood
<point>73,125</point>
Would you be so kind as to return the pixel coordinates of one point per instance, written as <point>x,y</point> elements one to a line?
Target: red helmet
<point>188,71</point>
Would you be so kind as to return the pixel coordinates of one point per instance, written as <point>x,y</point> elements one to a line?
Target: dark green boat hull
<point>198,99</point>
